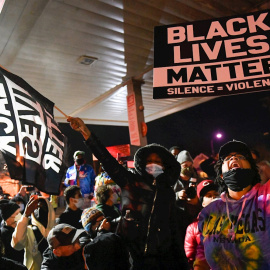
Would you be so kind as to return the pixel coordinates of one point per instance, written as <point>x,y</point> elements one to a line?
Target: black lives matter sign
<point>213,57</point>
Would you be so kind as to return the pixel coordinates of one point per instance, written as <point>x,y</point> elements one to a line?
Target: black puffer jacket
<point>148,222</point>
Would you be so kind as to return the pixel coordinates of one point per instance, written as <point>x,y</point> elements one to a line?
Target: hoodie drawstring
<point>231,232</point>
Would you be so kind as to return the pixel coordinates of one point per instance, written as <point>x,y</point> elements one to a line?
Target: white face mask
<point>18,217</point>
<point>79,202</point>
<point>154,169</point>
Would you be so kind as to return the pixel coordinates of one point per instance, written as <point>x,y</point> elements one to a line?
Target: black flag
<point>30,139</point>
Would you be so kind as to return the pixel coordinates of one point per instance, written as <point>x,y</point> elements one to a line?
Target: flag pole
<point>60,111</point>
<point>67,117</point>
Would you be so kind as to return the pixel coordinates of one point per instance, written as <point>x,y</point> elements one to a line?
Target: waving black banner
<point>30,140</point>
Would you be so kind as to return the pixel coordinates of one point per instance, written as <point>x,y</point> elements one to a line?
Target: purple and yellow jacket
<point>250,249</point>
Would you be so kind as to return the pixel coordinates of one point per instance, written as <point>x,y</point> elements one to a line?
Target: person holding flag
<point>148,223</point>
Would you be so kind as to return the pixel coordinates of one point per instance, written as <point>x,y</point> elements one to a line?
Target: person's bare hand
<point>182,195</point>
<point>105,225</point>
<point>23,191</point>
<point>78,125</point>
<point>193,201</point>
<point>31,206</point>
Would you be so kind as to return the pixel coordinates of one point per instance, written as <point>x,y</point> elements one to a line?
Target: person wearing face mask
<point>32,238</point>
<point>148,212</point>
<point>187,172</point>
<point>107,199</point>
<point>73,211</point>
<point>235,230</point>
<point>10,213</point>
<point>82,175</point>
<point>20,201</point>
<point>104,179</point>
<point>188,178</point>
<point>187,201</point>
<point>106,250</point>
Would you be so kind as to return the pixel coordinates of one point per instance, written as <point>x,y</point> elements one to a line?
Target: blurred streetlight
<point>218,136</point>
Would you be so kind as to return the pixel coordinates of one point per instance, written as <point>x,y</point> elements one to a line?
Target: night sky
<point>244,117</point>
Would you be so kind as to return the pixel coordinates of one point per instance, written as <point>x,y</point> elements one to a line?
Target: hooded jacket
<point>148,222</point>
<point>10,253</point>
<point>24,237</point>
<point>251,215</point>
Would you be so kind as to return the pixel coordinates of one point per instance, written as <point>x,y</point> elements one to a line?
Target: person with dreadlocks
<point>235,229</point>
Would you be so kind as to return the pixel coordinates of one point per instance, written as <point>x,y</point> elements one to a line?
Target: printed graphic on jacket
<point>248,246</point>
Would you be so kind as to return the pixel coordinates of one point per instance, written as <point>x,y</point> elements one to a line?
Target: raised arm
<point>19,236</point>
<point>78,125</point>
<point>116,171</point>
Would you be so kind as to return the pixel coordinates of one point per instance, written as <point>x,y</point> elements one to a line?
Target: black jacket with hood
<point>9,252</point>
<point>148,224</point>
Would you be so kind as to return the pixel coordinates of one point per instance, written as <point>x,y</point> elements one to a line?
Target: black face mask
<point>80,161</point>
<point>238,179</point>
<point>188,171</point>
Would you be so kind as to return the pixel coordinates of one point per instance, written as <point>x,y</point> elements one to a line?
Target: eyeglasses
<point>240,157</point>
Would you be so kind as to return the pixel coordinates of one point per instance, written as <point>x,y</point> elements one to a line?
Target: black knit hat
<point>8,208</point>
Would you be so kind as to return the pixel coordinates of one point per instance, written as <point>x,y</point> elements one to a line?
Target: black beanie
<point>8,209</point>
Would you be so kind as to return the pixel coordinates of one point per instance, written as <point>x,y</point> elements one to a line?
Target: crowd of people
<point>174,214</point>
